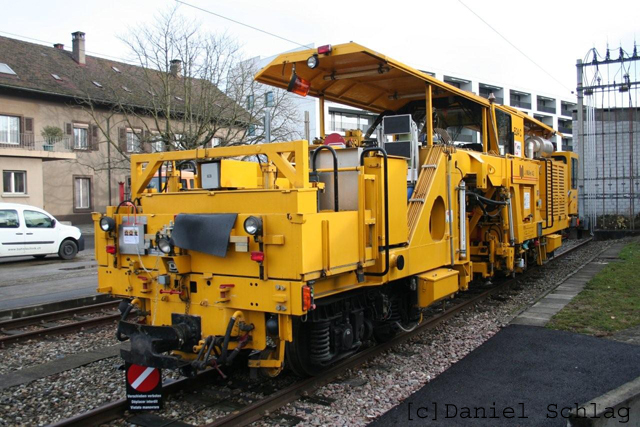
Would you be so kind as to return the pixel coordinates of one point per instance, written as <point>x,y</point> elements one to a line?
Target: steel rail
<point>39,319</point>
<point>277,400</point>
<point>57,315</point>
<point>257,410</point>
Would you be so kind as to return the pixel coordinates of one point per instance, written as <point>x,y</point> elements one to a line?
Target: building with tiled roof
<point>64,129</point>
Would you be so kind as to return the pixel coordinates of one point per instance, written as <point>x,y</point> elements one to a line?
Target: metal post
<point>580,142</point>
<point>321,106</point>
<point>267,125</point>
<point>109,159</point>
<point>307,133</point>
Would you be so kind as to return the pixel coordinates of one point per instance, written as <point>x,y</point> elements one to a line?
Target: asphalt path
<point>524,376</point>
<point>27,281</point>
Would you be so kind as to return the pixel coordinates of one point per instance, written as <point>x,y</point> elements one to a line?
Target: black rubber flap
<point>206,233</point>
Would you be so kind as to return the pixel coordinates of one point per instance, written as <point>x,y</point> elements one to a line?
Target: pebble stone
<point>383,381</point>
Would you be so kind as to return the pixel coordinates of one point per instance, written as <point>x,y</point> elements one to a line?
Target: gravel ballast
<point>361,395</point>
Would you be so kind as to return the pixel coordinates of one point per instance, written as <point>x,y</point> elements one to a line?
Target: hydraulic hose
<point>227,337</point>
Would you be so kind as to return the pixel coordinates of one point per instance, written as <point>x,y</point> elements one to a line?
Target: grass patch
<point>610,301</point>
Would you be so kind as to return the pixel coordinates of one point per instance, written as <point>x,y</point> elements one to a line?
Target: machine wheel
<point>39,256</point>
<point>297,354</point>
<point>68,249</point>
<point>384,333</point>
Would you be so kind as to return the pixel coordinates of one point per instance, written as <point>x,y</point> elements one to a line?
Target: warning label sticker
<point>144,388</point>
<point>131,235</point>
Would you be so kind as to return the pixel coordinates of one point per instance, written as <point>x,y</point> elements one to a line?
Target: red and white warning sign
<point>143,378</point>
<point>144,388</point>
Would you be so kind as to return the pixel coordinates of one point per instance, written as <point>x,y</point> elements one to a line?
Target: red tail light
<point>307,299</point>
<point>257,256</point>
<point>326,49</point>
<point>298,85</point>
<point>111,249</point>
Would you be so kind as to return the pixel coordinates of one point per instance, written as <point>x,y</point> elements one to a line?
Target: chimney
<point>78,47</point>
<point>59,46</point>
<point>176,68</point>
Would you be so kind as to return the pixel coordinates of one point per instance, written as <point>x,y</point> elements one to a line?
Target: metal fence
<point>608,141</point>
<point>28,142</point>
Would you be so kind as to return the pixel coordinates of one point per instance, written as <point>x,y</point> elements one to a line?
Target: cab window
<point>9,219</point>
<point>33,219</point>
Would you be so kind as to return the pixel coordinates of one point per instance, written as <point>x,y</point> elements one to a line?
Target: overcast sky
<point>442,36</point>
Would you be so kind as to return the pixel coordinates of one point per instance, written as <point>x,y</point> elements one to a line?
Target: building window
<point>250,102</point>
<point>9,219</point>
<point>14,182</point>
<point>157,144</point>
<point>82,193</point>
<point>340,122</point>
<point>252,130</point>
<point>215,142</point>
<point>133,141</point>
<point>80,136</point>
<point>9,130</point>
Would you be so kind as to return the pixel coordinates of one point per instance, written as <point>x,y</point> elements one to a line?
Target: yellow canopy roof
<point>354,75</point>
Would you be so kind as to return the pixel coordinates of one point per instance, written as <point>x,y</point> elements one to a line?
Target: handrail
<point>386,207</point>
<point>336,206</point>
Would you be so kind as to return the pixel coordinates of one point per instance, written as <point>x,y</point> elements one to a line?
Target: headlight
<point>312,62</point>
<point>107,223</point>
<point>253,225</point>
<point>164,244</point>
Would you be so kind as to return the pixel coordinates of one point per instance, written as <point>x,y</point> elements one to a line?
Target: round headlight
<point>107,223</point>
<point>164,244</point>
<point>312,62</point>
<point>253,225</point>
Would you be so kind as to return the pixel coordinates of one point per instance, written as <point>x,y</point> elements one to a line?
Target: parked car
<point>27,230</point>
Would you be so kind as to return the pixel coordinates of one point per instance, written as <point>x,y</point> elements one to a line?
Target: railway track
<point>306,387</point>
<point>57,322</point>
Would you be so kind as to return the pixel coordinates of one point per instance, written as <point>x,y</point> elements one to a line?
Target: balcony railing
<point>28,142</point>
<point>567,111</point>
<point>521,104</point>
<point>565,129</point>
<point>544,109</point>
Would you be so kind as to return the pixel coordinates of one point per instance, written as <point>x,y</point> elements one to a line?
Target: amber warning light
<point>298,85</point>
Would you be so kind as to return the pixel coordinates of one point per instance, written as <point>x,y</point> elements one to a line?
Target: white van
<point>27,230</point>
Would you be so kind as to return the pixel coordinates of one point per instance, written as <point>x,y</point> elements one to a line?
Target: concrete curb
<point>611,409</point>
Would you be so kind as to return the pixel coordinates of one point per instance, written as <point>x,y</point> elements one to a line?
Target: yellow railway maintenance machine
<point>304,256</point>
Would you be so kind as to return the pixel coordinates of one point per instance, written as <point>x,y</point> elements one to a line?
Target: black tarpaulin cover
<point>206,233</point>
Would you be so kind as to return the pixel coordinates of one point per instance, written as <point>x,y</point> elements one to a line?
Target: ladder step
<point>429,166</point>
<point>417,200</point>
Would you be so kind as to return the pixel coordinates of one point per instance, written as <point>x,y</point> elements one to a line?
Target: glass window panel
<point>9,219</point>
<point>83,193</point>
<point>133,142</point>
<point>80,138</point>
<point>33,219</point>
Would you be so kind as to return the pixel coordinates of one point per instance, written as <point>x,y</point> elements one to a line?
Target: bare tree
<point>188,89</point>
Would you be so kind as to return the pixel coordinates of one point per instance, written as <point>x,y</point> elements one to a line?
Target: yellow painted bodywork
<point>303,246</point>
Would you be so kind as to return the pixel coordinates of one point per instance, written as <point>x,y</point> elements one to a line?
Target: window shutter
<point>68,128</point>
<point>27,131</point>
<point>95,146</point>
<point>122,139</point>
<point>28,125</point>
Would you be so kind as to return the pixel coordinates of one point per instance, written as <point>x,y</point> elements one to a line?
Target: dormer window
<point>55,76</point>
<point>151,93</point>
<point>179,99</point>
<point>5,69</point>
<point>126,89</point>
<point>97,84</point>
<point>116,69</point>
